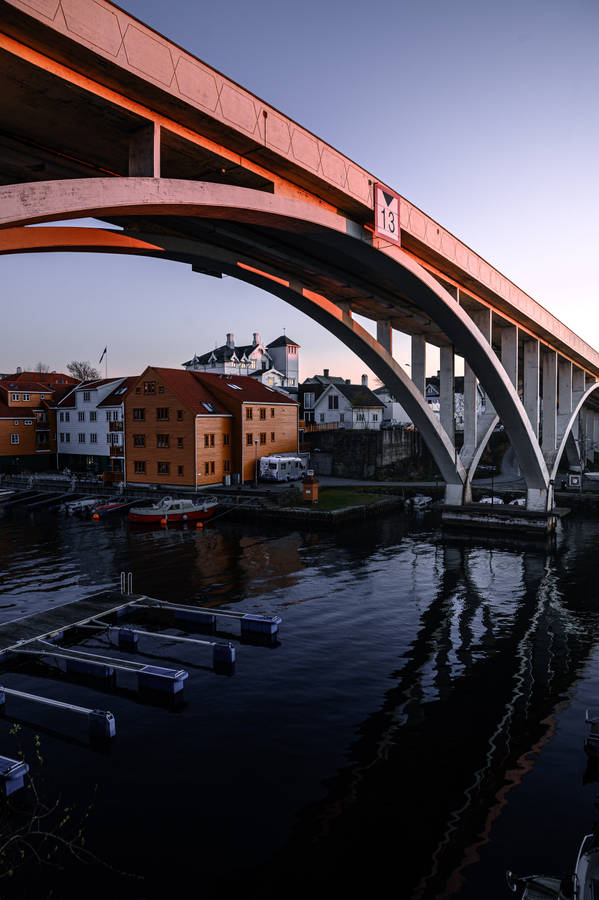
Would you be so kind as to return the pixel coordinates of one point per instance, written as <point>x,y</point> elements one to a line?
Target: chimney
<point>364,380</point>
<point>230,340</point>
<point>19,370</point>
<point>256,337</point>
<point>348,380</point>
<point>325,372</point>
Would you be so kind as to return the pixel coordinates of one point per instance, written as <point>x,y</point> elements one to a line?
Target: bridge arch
<point>568,430</point>
<point>128,198</point>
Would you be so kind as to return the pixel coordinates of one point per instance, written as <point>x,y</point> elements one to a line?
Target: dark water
<point>419,728</point>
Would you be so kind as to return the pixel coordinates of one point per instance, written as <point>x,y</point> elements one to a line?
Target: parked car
<point>495,500</point>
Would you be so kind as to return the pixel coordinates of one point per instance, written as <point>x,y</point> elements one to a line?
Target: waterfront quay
<point>403,654</point>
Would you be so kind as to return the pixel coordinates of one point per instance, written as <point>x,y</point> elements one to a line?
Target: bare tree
<point>84,371</point>
<point>42,368</point>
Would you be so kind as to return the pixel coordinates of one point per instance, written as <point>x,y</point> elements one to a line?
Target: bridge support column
<point>482,319</point>
<point>549,436</point>
<point>509,352</point>
<point>419,361</point>
<point>564,408</point>
<point>531,383</point>
<point>578,384</point>
<point>447,391</point>
<point>384,335</point>
<point>144,152</point>
<point>595,435</point>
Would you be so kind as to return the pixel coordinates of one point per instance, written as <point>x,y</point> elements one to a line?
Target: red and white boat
<point>174,510</point>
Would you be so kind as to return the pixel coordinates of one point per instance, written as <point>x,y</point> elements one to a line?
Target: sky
<point>483,114</point>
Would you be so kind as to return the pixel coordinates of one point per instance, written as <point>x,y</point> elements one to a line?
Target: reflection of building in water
<point>496,647</point>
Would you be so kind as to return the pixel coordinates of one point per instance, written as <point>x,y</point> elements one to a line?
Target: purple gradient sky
<point>484,115</point>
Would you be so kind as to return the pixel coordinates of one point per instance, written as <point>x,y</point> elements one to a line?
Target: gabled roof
<point>116,397</point>
<point>282,341</point>
<point>49,378</point>
<point>222,354</point>
<point>190,391</point>
<point>16,412</point>
<point>324,379</point>
<point>260,373</point>
<point>357,394</point>
<point>243,388</point>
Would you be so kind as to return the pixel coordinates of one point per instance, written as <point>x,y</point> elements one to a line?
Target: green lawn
<point>338,498</point>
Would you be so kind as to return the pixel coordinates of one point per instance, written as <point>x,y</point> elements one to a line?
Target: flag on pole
<point>103,354</point>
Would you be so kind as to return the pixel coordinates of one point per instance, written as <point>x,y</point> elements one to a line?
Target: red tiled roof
<point>59,393</point>
<point>192,393</point>
<point>251,391</point>
<point>116,397</point>
<point>48,378</point>
<point>32,387</point>
<point>16,412</point>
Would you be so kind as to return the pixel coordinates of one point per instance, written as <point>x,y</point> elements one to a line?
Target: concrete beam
<point>549,436</point>
<point>531,383</point>
<point>419,361</point>
<point>384,335</point>
<point>144,152</point>
<point>446,391</point>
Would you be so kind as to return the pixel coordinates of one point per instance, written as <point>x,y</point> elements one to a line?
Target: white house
<point>278,361</point>
<point>347,405</point>
<point>84,429</point>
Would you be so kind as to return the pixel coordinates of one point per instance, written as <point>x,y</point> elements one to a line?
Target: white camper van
<point>281,468</point>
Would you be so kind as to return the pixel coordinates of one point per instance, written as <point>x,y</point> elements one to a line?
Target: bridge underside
<point>81,136</point>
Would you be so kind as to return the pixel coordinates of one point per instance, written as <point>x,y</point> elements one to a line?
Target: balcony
<point>116,426</point>
<point>117,450</point>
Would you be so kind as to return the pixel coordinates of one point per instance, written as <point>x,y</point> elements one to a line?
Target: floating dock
<point>491,517</point>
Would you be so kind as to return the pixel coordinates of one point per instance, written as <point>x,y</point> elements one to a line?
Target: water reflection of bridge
<point>472,705</point>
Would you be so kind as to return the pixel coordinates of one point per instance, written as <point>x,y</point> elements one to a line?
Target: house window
<point>180,443</point>
<point>26,396</point>
<point>139,440</point>
<point>62,437</point>
<point>161,391</point>
<point>226,440</point>
<point>109,438</point>
<point>272,435</point>
<point>93,438</point>
<point>179,470</point>
<point>162,468</point>
<point>15,397</point>
<point>212,467</point>
<point>162,413</point>
<point>162,440</point>
<point>28,422</point>
<point>208,440</point>
<point>375,417</point>
<point>15,421</point>
<point>249,412</point>
<point>81,437</point>
<point>149,387</point>
<point>272,412</point>
<point>226,466</point>
<point>62,417</point>
<point>360,417</point>
<point>139,413</point>
<point>322,417</point>
<point>342,417</point>
<point>249,439</point>
<point>179,415</point>
<point>92,416</point>
<point>86,396</point>
<point>138,390</point>
<point>308,400</point>
<point>14,438</point>
<point>67,438</point>
<point>108,416</point>
<point>67,417</point>
<point>271,381</point>
<point>333,401</point>
<point>41,396</point>
<point>209,468</point>
<point>139,467</point>
<point>81,417</point>
<point>262,413</point>
<point>262,437</point>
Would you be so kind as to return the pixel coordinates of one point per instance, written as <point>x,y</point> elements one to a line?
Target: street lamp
<point>256,464</point>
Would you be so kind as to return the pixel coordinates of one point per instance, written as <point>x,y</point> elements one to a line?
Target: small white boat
<point>420,501</point>
<point>581,884</point>
<point>81,506</point>
<point>496,501</point>
<point>519,501</point>
<point>171,510</point>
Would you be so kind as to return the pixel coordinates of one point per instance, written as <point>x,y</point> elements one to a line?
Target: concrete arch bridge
<point>104,117</point>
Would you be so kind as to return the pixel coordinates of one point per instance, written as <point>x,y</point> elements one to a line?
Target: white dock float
<point>101,722</point>
<point>12,774</point>
<point>81,662</point>
<point>223,620</point>
<point>126,638</point>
